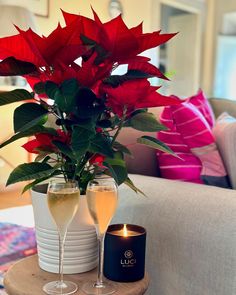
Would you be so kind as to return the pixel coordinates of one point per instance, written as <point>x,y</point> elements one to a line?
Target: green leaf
<point>90,112</point>
<point>51,89</point>
<point>155,143</point>
<point>37,181</point>
<point>104,123</point>
<point>14,96</point>
<point>117,161</point>
<point>139,111</point>
<point>80,141</point>
<point>28,115</point>
<point>87,104</point>
<point>116,80</point>
<point>65,149</point>
<point>138,74</point>
<point>146,122</point>
<point>14,67</point>
<point>131,185</point>
<point>117,168</point>
<point>39,88</point>
<point>87,41</point>
<point>88,124</point>
<point>101,145</point>
<point>65,97</point>
<point>118,155</point>
<point>30,171</point>
<point>42,156</point>
<point>45,159</point>
<point>70,86</point>
<point>120,147</point>
<point>32,184</point>
<point>84,178</point>
<point>102,54</point>
<point>115,120</point>
<point>127,122</point>
<point>29,132</point>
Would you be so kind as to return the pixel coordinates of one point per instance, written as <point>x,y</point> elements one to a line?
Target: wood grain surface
<point>26,278</point>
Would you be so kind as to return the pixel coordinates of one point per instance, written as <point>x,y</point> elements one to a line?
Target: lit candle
<point>125,232</point>
<point>124,255</point>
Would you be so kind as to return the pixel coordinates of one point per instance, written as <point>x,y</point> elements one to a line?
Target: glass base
<point>106,288</point>
<point>57,287</point>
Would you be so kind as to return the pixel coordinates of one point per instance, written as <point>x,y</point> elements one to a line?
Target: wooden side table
<point>26,278</point>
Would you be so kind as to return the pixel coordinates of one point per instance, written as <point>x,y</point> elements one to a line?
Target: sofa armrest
<point>144,160</point>
<point>191,235</point>
<point>220,105</point>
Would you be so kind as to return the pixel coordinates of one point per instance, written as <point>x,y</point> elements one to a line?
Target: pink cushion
<point>200,101</point>
<point>191,138</point>
<point>193,127</point>
<point>188,168</point>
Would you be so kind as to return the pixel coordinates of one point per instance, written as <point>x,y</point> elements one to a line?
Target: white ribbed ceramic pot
<point>81,240</point>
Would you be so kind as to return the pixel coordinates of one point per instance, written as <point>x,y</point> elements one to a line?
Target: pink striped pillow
<point>200,101</point>
<point>190,136</point>
<point>188,168</point>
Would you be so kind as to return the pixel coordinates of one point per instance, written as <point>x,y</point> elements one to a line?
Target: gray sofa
<point>191,228</point>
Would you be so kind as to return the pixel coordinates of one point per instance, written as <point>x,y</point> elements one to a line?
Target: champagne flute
<point>63,202</point>
<point>102,199</point>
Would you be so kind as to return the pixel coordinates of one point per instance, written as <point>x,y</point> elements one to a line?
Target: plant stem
<point>81,164</point>
<point>119,126</point>
<point>62,166</point>
<point>62,120</point>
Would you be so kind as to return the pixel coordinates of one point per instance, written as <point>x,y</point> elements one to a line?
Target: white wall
<point>135,11</point>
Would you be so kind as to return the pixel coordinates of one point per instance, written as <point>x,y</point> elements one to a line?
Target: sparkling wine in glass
<point>63,202</point>
<point>102,198</point>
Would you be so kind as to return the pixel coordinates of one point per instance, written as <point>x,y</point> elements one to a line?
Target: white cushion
<point>225,134</point>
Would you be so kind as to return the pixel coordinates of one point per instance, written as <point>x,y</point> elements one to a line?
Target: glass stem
<point>62,237</point>
<point>101,259</point>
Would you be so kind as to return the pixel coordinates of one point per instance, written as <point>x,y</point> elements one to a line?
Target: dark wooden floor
<point>11,197</point>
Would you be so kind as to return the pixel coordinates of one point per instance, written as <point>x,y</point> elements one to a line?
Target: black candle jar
<point>124,253</point>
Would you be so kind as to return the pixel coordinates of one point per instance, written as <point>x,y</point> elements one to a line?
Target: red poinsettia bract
<point>102,46</point>
<point>116,38</point>
<point>97,159</point>
<point>58,48</point>
<point>43,141</point>
<point>135,94</point>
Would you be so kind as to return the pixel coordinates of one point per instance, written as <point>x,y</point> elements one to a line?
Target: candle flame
<point>125,231</point>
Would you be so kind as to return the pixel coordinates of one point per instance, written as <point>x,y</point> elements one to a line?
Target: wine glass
<point>63,202</point>
<point>102,198</point>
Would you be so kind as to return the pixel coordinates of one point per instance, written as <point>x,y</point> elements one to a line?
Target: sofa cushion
<point>225,134</point>
<point>200,101</point>
<point>187,167</point>
<point>191,137</point>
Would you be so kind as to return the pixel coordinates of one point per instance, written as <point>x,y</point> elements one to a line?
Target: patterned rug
<point>16,242</point>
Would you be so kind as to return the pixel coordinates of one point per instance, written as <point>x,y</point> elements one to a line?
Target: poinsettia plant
<point>72,80</point>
